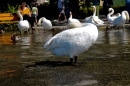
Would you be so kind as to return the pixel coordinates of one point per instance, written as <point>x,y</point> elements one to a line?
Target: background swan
<point>127,16</point>
<point>73,23</point>
<point>71,19</point>
<point>73,42</point>
<point>45,23</point>
<point>111,18</point>
<point>121,20</point>
<point>94,19</point>
<point>23,25</point>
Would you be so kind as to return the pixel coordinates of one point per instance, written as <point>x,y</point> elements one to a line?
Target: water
<point>26,63</point>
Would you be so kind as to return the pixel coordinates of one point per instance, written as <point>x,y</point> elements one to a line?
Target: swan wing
<point>73,41</point>
<point>47,24</point>
<point>117,21</point>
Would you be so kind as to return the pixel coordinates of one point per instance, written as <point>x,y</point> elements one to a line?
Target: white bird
<point>121,20</point>
<point>23,25</point>
<point>45,23</point>
<point>111,18</point>
<point>94,19</point>
<point>127,16</point>
<point>73,23</point>
<point>72,19</point>
<point>15,38</point>
<point>73,42</point>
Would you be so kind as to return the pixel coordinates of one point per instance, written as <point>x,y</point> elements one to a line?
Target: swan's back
<point>120,20</point>
<point>47,24</point>
<point>23,25</point>
<point>72,42</point>
<point>73,20</point>
<point>73,25</point>
<point>111,19</point>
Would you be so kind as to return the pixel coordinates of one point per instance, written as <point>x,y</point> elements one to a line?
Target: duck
<point>121,20</point>
<point>94,19</point>
<point>23,25</point>
<point>45,23</point>
<point>73,23</point>
<point>15,37</point>
<point>72,42</point>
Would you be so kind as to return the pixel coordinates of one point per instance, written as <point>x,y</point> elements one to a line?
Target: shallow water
<point>26,63</point>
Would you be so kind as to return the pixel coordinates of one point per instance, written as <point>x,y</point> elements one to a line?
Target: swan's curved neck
<point>20,16</point>
<point>71,15</point>
<point>40,20</point>
<point>94,14</point>
<point>112,12</point>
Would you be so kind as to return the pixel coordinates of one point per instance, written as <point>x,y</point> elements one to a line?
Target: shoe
<point>65,20</point>
<point>33,28</point>
<point>56,21</point>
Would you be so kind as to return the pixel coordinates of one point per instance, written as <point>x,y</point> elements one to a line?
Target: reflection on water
<point>107,61</point>
<point>114,37</point>
<point>5,39</point>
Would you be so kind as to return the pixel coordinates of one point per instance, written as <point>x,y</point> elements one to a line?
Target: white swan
<point>94,19</point>
<point>23,25</point>
<point>73,23</point>
<point>45,23</point>
<point>121,20</point>
<point>111,18</point>
<point>127,16</point>
<point>15,38</point>
<point>72,19</point>
<point>73,42</point>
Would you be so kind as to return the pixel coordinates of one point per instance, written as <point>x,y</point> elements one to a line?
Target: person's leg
<point>60,9</point>
<point>67,10</point>
<point>64,16</point>
<point>35,18</point>
<point>31,20</point>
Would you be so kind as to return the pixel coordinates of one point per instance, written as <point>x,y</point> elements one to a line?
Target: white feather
<point>23,25</point>
<point>121,20</point>
<point>73,42</point>
<point>111,18</point>
<point>73,23</point>
<point>45,23</point>
<point>94,19</point>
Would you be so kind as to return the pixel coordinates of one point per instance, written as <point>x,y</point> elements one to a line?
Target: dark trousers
<point>105,9</point>
<point>31,20</point>
<point>67,12</point>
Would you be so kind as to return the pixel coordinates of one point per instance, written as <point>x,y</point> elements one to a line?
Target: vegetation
<point>10,9</point>
<point>85,9</point>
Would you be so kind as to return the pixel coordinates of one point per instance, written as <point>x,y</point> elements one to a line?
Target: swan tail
<point>48,44</point>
